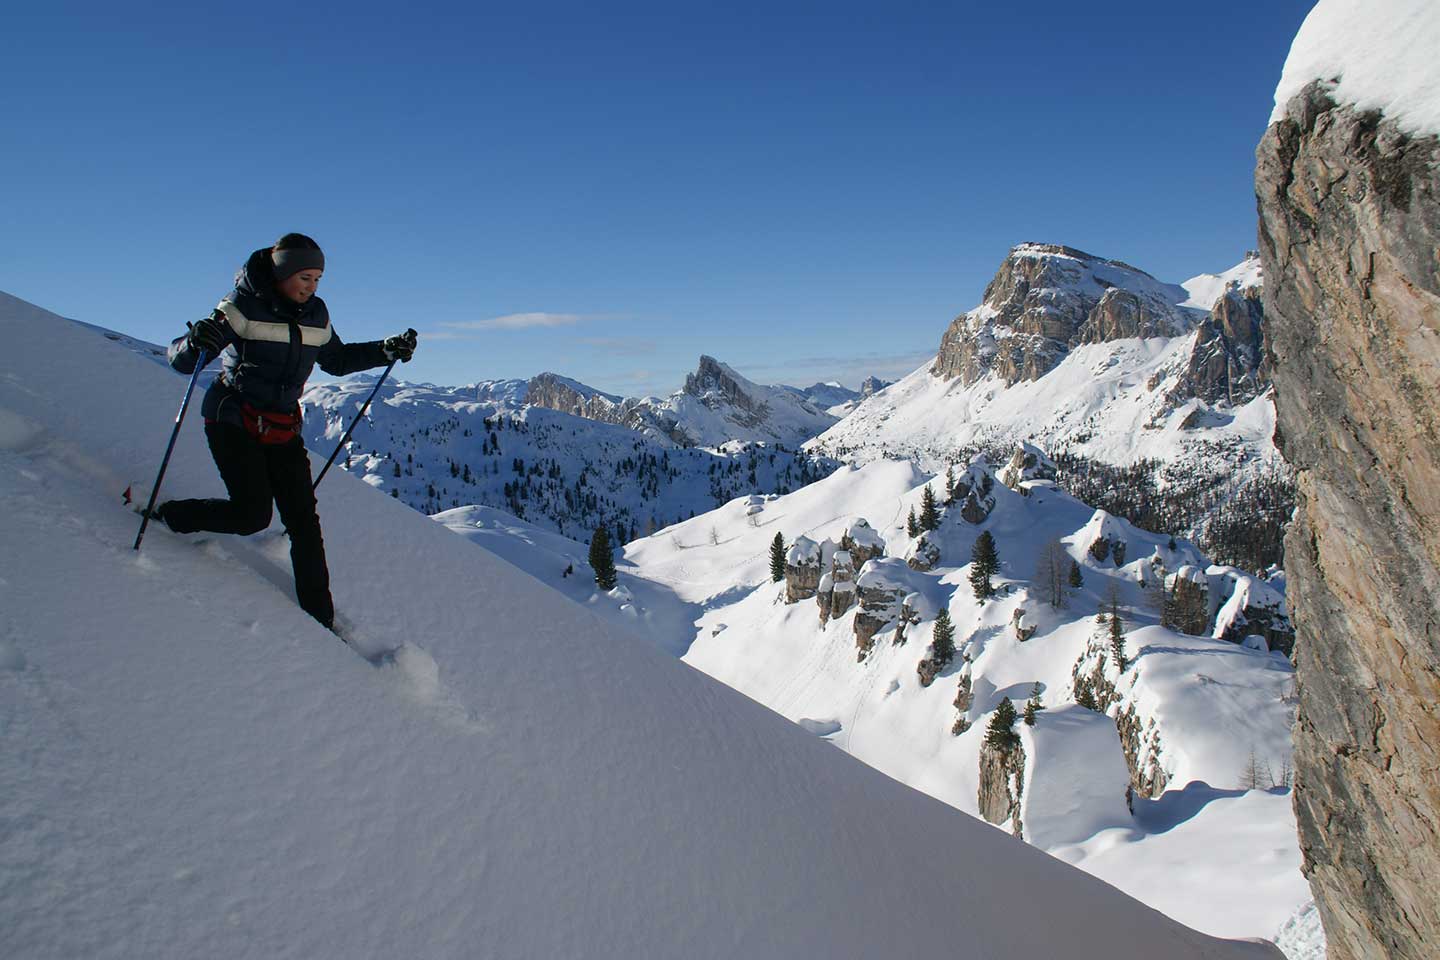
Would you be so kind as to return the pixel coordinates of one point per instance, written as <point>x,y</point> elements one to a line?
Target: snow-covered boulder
<point>1105,538</point>
<point>923,554</point>
<point>862,542</point>
<point>802,569</point>
<point>1022,624</point>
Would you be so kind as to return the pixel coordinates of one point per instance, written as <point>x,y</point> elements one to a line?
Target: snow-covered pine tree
<point>984,564</point>
<point>1001,734</point>
<point>1077,580</point>
<point>601,560</point>
<point>949,484</point>
<point>777,558</point>
<point>929,512</point>
<point>912,526</point>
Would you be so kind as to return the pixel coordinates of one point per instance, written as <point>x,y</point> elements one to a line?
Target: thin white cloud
<point>518,321</point>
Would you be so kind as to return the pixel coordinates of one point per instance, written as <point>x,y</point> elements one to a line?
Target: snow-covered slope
<point>1195,706</point>
<point>1097,402</point>
<point>194,768</point>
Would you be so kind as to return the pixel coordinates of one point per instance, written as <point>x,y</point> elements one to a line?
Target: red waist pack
<point>268,427</point>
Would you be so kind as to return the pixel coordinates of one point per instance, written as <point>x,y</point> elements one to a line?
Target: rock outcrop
<point>1350,226</point>
<point>1227,363</point>
<point>964,696</point>
<point>1028,462</point>
<point>881,589</point>
<point>1002,784</point>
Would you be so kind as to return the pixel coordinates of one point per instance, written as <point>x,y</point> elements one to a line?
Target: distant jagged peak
<point>712,375</point>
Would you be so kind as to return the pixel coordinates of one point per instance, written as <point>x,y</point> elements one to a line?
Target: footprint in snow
<point>418,674</point>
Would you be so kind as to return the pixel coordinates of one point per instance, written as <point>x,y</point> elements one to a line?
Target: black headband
<point>290,262</point>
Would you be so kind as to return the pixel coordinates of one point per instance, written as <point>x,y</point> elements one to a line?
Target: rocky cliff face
<point>1350,226</point>
<point>555,392</point>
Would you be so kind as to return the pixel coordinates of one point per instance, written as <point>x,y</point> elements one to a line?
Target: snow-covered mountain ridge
<point>195,768</point>
<point>438,448</point>
<point>716,406</point>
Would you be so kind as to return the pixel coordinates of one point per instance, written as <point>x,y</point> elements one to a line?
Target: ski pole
<point>200,361</point>
<point>363,407</point>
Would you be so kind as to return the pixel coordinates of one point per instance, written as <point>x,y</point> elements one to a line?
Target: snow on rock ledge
<point>1372,57</point>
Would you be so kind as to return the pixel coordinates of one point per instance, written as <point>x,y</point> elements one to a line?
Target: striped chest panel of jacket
<point>273,352</point>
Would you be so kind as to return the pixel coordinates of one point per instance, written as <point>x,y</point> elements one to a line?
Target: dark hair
<point>295,241</point>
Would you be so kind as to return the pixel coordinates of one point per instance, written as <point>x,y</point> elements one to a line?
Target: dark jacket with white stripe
<point>272,344</point>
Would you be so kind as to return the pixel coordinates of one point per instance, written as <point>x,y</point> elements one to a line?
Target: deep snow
<point>194,768</point>
<point>1373,56</point>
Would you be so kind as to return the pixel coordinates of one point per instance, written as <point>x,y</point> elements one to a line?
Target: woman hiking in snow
<point>269,332</point>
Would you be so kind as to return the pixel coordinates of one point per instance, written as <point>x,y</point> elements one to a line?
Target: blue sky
<point>806,191</point>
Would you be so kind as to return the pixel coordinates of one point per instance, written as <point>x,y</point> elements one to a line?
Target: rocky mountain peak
<point>873,385</point>
<point>1046,299</point>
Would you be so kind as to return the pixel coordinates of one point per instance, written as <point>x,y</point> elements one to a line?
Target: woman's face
<point>300,286</point>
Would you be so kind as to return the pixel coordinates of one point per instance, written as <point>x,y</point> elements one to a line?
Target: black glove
<point>205,335</point>
<point>400,347</point>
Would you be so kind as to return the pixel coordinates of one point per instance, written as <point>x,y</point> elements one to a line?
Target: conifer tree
<point>912,526</point>
<point>1084,695</point>
<point>1117,634</point>
<point>984,564</point>
<point>1000,734</point>
<point>1077,580</point>
<point>949,484</point>
<point>777,558</point>
<point>1033,705</point>
<point>601,560</point>
<point>929,512</point>
<point>942,639</point>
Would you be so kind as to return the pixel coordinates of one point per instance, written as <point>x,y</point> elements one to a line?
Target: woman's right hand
<point>205,335</point>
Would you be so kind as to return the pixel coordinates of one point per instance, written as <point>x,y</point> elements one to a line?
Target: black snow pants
<point>256,474</point>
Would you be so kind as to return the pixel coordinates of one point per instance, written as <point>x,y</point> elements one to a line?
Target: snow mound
<point>1371,56</point>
